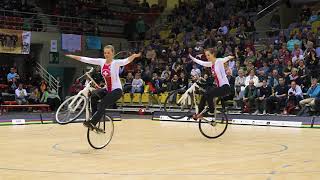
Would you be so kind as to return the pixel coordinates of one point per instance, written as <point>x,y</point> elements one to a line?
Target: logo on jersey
<point>106,70</point>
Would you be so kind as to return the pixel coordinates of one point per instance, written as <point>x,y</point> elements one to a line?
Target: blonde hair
<point>294,69</point>
<point>109,47</point>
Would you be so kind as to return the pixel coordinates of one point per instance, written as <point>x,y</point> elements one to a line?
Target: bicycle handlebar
<point>88,75</point>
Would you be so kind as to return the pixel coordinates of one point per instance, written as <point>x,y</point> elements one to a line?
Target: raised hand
<point>137,55</point>
<point>230,57</point>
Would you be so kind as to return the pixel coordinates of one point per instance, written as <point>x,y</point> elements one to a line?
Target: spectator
<point>265,68</point>
<point>96,76</point>
<point>167,70</point>
<point>166,83</point>
<point>53,99</point>
<point>278,99</point>
<point>175,84</point>
<point>288,68</point>
<point>231,80</point>
<point>312,63</point>
<point>223,29</point>
<point>277,66</point>
<point>297,51</point>
<point>294,76</point>
<point>137,84</point>
<point>303,74</point>
<point>294,97</point>
<point>313,93</point>
<point>183,81</point>
<point>151,54</point>
<point>176,70</point>
<point>265,92</point>
<point>146,74</point>
<point>21,95</point>
<point>286,56</point>
<point>274,79</point>
<point>43,86</point>
<point>138,69</point>
<point>250,94</point>
<point>155,84</point>
<point>44,95</point>
<point>262,76</point>
<point>252,77</point>
<point>195,71</point>
<point>297,57</point>
<point>240,84</point>
<point>309,49</point>
<point>76,87</point>
<point>12,86</point>
<point>12,75</point>
<point>128,83</point>
<point>34,97</point>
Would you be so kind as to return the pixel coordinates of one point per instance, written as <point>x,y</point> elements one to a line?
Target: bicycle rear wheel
<point>178,110</point>
<point>66,113</point>
<point>100,139</point>
<point>213,127</point>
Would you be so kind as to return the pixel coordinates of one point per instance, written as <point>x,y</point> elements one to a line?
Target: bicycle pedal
<point>98,130</point>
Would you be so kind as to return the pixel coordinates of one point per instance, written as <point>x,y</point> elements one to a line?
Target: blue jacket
<point>314,91</point>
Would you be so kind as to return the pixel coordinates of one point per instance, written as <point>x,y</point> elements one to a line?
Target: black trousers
<point>211,93</point>
<point>54,103</point>
<point>108,99</point>
<point>275,104</point>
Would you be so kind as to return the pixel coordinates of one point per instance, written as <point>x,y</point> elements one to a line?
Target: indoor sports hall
<point>145,89</point>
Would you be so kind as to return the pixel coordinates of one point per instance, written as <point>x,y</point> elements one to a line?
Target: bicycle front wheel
<point>176,108</point>
<point>100,138</point>
<point>213,127</point>
<point>68,112</point>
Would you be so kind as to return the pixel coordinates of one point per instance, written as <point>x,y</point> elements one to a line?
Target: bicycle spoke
<point>102,133</point>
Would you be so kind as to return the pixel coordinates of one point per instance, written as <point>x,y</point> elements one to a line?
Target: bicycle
<point>73,107</point>
<point>187,105</point>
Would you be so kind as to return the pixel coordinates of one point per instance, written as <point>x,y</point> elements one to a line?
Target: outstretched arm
<point>95,61</point>
<point>202,63</point>
<point>226,59</point>
<point>123,62</point>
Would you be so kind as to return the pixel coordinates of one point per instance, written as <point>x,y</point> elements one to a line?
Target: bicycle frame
<point>84,92</point>
<point>185,95</point>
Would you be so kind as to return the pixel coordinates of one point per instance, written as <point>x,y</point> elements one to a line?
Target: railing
<point>52,82</point>
<point>268,9</point>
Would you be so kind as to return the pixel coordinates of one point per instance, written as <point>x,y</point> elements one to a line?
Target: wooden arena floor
<point>145,149</point>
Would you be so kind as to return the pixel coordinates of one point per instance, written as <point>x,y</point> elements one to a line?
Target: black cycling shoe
<point>89,125</point>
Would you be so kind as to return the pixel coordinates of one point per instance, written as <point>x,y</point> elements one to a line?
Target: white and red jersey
<point>217,70</point>
<point>110,72</point>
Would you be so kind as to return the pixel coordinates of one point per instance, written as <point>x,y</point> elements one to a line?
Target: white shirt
<point>255,81</point>
<point>20,93</point>
<point>137,82</point>
<point>217,69</point>
<point>295,59</point>
<point>195,72</point>
<point>297,91</point>
<point>112,71</point>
